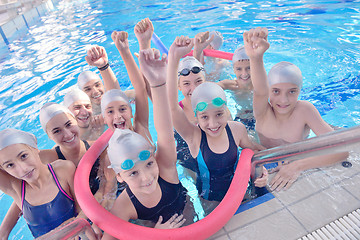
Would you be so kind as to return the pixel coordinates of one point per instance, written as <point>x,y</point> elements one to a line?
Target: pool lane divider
<point>119,228</point>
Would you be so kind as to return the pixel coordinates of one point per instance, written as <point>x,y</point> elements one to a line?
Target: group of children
<point>36,179</point>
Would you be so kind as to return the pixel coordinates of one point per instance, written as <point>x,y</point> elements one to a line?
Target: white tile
<point>9,28</point>
<point>352,185</point>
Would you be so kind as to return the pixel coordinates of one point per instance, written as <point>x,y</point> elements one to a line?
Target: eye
<point>186,84</point>
<point>204,117</point>
<point>292,91</point>
<point>110,112</point>
<point>68,124</point>
<point>199,81</point>
<point>9,165</point>
<point>87,90</point>
<point>24,156</point>
<point>275,91</point>
<point>150,163</point>
<point>248,68</point>
<point>133,173</point>
<point>88,106</point>
<point>56,131</point>
<point>76,108</point>
<point>123,109</point>
<point>97,85</point>
<point>219,114</point>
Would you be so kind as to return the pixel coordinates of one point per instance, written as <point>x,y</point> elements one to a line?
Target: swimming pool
<point>321,37</point>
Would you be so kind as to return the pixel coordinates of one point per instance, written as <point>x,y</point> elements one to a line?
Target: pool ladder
<point>346,227</point>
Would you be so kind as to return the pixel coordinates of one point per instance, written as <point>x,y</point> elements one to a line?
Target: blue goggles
<point>202,106</point>
<point>129,163</point>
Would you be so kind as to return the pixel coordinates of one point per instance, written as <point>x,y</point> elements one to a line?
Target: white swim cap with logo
<point>85,77</point>
<point>240,54</point>
<point>50,110</point>
<point>112,96</point>
<point>217,41</point>
<point>207,92</point>
<point>10,137</point>
<point>285,72</point>
<point>74,95</point>
<point>126,148</point>
<point>189,62</point>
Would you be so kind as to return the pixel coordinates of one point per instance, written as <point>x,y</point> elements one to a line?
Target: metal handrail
<point>342,140</point>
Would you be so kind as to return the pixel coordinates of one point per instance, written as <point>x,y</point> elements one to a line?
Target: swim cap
<point>217,41</point>
<point>189,62</point>
<point>86,76</point>
<point>206,96</point>
<point>50,110</point>
<point>285,72</point>
<point>75,95</point>
<point>240,54</point>
<point>9,137</point>
<point>111,96</point>
<point>126,148</point>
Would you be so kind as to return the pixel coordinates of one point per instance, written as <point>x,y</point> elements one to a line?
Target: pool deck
<point>317,198</point>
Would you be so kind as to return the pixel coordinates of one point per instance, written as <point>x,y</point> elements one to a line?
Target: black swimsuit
<point>94,180</point>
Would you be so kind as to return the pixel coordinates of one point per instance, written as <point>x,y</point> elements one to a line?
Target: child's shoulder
<point>65,166</point>
<point>48,155</point>
<point>305,106</point>
<point>237,127</point>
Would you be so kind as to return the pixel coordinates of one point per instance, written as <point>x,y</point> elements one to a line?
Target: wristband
<point>104,67</point>
<point>162,84</point>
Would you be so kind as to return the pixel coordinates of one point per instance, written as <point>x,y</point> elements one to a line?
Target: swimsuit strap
<point>22,193</point>
<point>181,104</point>
<point>57,182</point>
<point>59,153</point>
<point>87,145</point>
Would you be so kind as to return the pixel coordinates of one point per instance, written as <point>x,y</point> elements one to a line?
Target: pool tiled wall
<point>13,28</point>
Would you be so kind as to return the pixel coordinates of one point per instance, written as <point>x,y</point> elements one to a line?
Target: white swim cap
<point>50,110</point>
<point>188,63</point>
<point>111,96</point>
<point>240,54</point>
<point>207,95</point>
<point>9,137</point>
<point>74,95</point>
<point>217,41</point>
<point>285,72</point>
<point>126,148</point>
<point>86,76</point>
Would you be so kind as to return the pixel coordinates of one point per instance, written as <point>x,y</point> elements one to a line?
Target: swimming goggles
<point>129,163</point>
<point>187,71</point>
<point>216,102</point>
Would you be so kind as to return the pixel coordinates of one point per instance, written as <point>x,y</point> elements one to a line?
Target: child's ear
<point>119,178</point>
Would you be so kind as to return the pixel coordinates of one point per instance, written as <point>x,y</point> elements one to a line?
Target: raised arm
<point>96,56</point>
<point>141,118</point>
<point>201,41</point>
<point>181,46</point>
<point>9,221</point>
<point>154,69</point>
<point>255,43</point>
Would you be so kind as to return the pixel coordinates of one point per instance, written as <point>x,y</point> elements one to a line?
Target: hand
<point>286,176</point>
<point>201,41</point>
<point>180,47</point>
<point>153,68</point>
<point>96,56</point>
<point>143,31</point>
<point>174,222</point>
<point>255,42</point>
<point>97,121</point>
<point>262,181</point>
<point>121,40</point>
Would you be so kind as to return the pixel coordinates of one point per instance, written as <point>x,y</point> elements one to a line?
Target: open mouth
<point>120,125</point>
<point>214,130</point>
<point>96,96</point>
<point>70,140</point>
<point>283,106</point>
<point>149,184</point>
<point>84,119</point>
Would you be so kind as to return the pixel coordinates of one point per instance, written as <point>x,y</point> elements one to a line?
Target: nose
<point>82,111</point>
<point>67,133</point>
<point>284,98</point>
<point>22,168</point>
<point>118,115</point>
<point>212,122</point>
<point>145,176</point>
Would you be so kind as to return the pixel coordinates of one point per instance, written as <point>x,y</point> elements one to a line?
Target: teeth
<point>97,96</point>
<point>83,118</point>
<point>119,125</point>
<point>72,139</point>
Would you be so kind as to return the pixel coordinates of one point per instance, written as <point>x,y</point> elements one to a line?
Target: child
<point>45,193</point>
<point>91,83</point>
<point>149,174</point>
<point>215,140</point>
<point>241,88</point>
<point>91,127</point>
<point>280,117</point>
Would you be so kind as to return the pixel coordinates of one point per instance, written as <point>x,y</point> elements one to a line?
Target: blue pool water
<point>321,37</point>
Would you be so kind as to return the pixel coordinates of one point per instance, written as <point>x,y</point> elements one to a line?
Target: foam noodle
<point>215,54</point>
<point>124,230</point>
<point>158,43</point>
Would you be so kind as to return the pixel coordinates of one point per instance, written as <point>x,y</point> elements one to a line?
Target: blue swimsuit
<point>215,171</point>
<point>94,180</point>
<point>44,218</point>
<point>172,201</point>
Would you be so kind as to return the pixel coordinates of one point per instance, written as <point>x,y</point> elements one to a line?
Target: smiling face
<point>21,161</point>
<point>188,83</point>
<point>213,121</point>
<point>242,72</point>
<point>94,89</point>
<point>82,111</point>
<point>283,97</point>
<point>118,115</point>
<point>63,130</point>
<point>142,177</point>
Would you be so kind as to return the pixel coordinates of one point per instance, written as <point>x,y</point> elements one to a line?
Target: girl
<point>215,140</point>
<point>45,193</point>
<point>280,117</point>
<point>149,174</point>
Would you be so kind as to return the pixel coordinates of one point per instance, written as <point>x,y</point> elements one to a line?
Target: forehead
<point>192,77</point>
<point>284,86</point>
<point>242,64</point>
<point>81,103</point>
<point>115,104</point>
<point>59,120</point>
<point>93,82</point>
<point>12,151</point>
